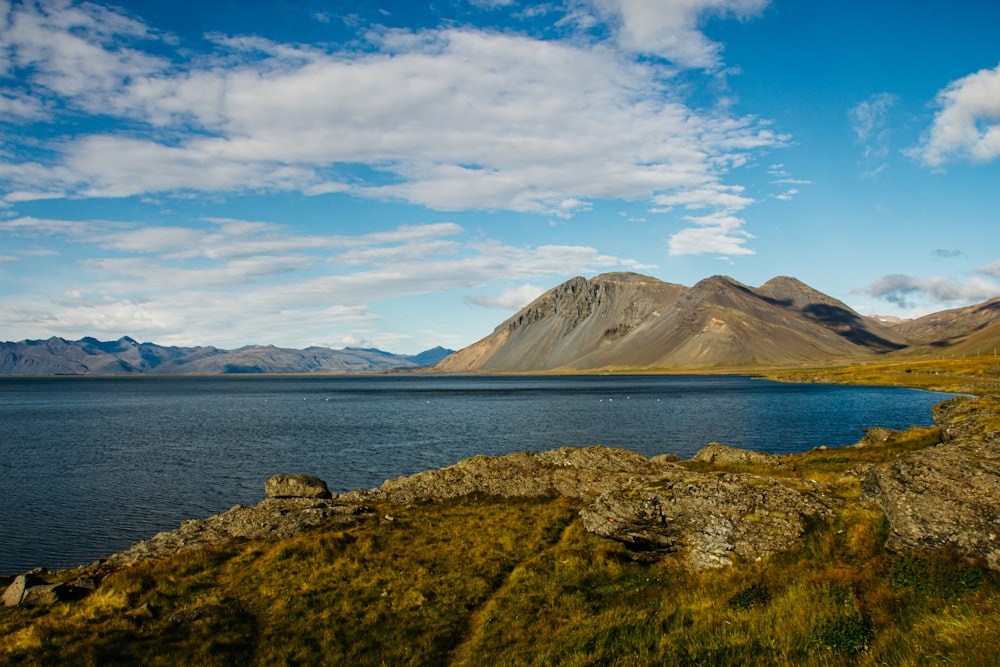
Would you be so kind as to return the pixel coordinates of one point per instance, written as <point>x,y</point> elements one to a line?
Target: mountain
<point>965,330</point>
<point>626,320</point>
<point>125,356</point>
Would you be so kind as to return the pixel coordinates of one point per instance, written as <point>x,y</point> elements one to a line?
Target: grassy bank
<point>478,581</point>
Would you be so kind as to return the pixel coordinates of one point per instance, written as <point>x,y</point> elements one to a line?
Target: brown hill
<point>969,330</point>
<point>626,320</point>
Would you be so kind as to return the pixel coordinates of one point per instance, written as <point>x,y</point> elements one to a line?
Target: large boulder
<point>18,589</point>
<point>31,590</point>
<point>708,519</point>
<point>716,452</point>
<point>290,485</point>
<point>946,496</point>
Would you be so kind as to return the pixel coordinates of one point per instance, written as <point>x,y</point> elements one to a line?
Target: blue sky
<point>408,174</point>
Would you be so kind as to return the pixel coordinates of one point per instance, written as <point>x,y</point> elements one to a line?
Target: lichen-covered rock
<point>947,496</point>
<point>291,485</point>
<point>30,590</point>
<point>708,519</point>
<point>716,452</point>
<point>272,517</point>
<point>575,472</point>
<point>14,594</point>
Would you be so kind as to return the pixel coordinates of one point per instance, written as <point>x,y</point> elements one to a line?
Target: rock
<point>291,485</point>
<point>31,591</point>
<point>188,616</point>
<point>946,496</point>
<point>42,596</point>
<point>708,519</point>
<point>876,435</point>
<point>575,472</point>
<point>16,591</point>
<point>716,452</point>
<point>272,517</point>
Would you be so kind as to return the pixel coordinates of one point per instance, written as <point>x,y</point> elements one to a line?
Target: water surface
<point>91,465</point>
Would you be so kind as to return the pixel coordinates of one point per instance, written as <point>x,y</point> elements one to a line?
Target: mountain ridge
<point>627,320</point>
<point>126,356</point>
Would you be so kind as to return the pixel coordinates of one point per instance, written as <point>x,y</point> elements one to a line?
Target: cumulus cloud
<point>189,284</point>
<point>714,234</point>
<point>907,291</point>
<point>719,231</point>
<point>967,124</point>
<point>991,269</point>
<point>510,299</point>
<point>449,118</point>
<point>672,29</point>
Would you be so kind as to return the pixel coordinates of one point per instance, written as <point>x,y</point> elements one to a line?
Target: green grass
<point>478,581</point>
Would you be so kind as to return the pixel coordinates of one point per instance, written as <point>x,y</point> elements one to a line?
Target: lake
<point>91,465</point>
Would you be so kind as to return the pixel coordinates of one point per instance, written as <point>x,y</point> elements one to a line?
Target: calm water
<point>92,464</point>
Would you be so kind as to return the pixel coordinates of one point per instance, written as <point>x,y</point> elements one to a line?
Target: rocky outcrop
<point>578,473</point>
<point>272,517</point>
<point>291,485</point>
<point>716,452</point>
<point>947,496</point>
<point>709,519</point>
<point>31,590</point>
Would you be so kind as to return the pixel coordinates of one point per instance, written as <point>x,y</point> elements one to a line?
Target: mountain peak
<point>629,320</point>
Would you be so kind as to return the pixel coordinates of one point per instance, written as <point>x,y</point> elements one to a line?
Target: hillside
<point>125,356</point>
<point>625,320</point>
<point>969,330</point>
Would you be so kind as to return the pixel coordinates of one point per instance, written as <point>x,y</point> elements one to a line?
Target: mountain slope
<point>627,320</point>
<point>569,321</point>
<point>966,330</point>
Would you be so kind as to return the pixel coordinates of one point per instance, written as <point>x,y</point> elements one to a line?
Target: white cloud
<point>75,50</point>
<point>967,126</point>
<point>510,299</point>
<point>189,285</point>
<point>991,269</point>
<point>671,29</point>
<point>8,259</point>
<point>906,291</point>
<point>491,4</point>
<point>728,198</point>
<point>20,108</point>
<point>868,118</point>
<point>450,119</point>
<point>717,234</point>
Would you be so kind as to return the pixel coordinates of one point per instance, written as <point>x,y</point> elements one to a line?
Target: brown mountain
<point>965,330</point>
<point>627,320</point>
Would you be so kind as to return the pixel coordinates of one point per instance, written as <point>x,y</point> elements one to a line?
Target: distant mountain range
<point>626,320</point>
<point>615,320</point>
<point>125,356</point>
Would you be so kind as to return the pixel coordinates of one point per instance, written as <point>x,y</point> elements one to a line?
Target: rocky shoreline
<point>723,506</point>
